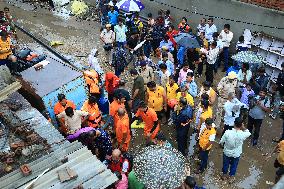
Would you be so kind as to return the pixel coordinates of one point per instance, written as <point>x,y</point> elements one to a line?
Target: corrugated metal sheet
<point>91,172</point>
<point>51,77</point>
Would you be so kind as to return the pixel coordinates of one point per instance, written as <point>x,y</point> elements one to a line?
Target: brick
<point>16,145</point>
<point>25,169</point>
<point>32,137</point>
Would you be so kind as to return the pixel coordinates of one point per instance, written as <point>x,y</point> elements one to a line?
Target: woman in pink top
<point>183,72</point>
<point>122,183</point>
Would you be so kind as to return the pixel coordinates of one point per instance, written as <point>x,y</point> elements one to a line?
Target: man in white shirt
<point>233,143</point>
<point>201,27</point>
<point>108,36</point>
<point>226,36</point>
<point>212,56</point>
<point>73,119</point>
<point>232,109</point>
<point>210,29</point>
<point>219,46</point>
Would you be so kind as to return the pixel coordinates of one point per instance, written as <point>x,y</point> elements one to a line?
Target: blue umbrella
<point>130,5</point>
<point>187,40</point>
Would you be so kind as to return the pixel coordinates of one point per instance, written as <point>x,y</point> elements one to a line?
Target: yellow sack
<point>55,43</point>
<point>135,126</point>
<point>79,7</point>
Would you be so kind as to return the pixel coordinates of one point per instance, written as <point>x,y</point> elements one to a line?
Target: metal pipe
<point>56,53</point>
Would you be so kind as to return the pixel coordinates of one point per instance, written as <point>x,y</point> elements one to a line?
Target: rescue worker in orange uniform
<point>59,107</point>
<point>111,83</point>
<point>156,98</point>
<point>92,81</point>
<point>92,108</point>
<point>150,118</point>
<point>117,103</point>
<point>122,130</point>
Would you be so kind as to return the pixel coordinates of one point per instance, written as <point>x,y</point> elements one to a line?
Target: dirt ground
<point>80,37</point>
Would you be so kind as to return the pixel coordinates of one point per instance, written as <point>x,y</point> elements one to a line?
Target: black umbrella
<point>187,40</point>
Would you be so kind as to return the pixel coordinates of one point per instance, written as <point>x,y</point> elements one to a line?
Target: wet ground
<point>80,37</point>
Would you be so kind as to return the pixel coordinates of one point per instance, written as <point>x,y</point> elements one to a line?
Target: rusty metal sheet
<point>51,77</point>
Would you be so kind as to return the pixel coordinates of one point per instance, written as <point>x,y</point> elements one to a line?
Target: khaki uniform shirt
<point>225,87</point>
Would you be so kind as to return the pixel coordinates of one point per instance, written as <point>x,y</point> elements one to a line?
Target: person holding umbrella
<point>183,117</point>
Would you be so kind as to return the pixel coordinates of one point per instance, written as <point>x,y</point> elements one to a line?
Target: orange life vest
<point>92,80</point>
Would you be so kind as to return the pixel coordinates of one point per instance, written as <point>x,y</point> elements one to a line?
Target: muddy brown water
<point>80,37</point>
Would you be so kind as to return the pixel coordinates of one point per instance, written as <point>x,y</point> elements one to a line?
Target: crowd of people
<point>165,91</point>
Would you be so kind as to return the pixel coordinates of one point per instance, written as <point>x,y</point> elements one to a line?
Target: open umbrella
<point>180,36</point>
<point>160,167</point>
<point>130,5</point>
<point>187,40</point>
<point>248,56</point>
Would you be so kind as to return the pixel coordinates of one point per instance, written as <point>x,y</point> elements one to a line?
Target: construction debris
<point>66,174</point>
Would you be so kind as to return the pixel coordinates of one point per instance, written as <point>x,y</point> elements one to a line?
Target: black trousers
<point>182,138</point>
<point>254,127</point>
<point>209,72</point>
<point>200,68</point>
<point>50,2</point>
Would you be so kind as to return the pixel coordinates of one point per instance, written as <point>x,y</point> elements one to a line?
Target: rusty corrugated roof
<point>91,172</point>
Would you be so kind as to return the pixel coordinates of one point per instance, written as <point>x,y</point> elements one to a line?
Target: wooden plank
<point>4,93</point>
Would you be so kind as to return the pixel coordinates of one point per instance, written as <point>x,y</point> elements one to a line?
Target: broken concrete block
<point>66,174</point>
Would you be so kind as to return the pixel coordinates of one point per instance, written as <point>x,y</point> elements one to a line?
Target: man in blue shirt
<point>183,117</point>
<point>112,16</point>
<point>190,84</point>
<point>170,65</point>
<point>233,143</point>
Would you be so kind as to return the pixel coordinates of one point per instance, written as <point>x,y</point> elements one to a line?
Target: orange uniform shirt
<point>58,108</point>
<point>122,127</point>
<point>114,106</point>
<point>149,118</point>
<point>111,82</point>
<point>94,110</point>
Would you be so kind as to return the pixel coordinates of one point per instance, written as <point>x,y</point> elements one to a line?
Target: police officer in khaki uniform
<point>228,84</point>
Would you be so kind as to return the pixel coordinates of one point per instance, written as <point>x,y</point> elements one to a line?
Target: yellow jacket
<point>204,137</point>
<point>156,99</point>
